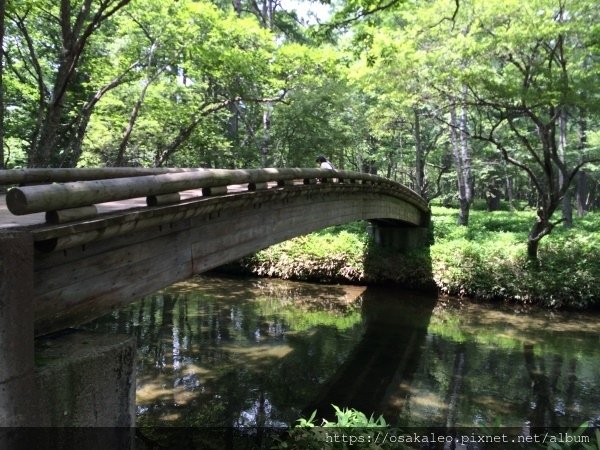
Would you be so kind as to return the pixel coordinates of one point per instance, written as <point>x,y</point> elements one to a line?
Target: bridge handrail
<point>64,175</point>
<point>54,197</point>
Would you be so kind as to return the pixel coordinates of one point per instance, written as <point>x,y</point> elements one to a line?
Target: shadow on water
<point>374,377</point>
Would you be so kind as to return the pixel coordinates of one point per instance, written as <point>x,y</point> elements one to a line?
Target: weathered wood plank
<point>41,175</point>
<point>170,213</point>
<point>258,186</point>
<point>79,283</point>
<point>55,277</point>
<point>82,302</point>
<point>71,214</point>
<point>214,190</point>
<point>227,232</point>
<point>163,199</point>
<point>80,252</point>
<point>268,227</point>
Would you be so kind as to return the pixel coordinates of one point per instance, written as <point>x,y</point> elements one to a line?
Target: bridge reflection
<point>376,376</point>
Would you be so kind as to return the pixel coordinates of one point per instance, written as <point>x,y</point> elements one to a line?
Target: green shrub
<point>335,254</point>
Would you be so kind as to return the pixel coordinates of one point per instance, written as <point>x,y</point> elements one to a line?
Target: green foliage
<point>577,439</point>
<point>308,315</point>
<point>488,260</point>
<point>346,417</point>
<point>331,255</point>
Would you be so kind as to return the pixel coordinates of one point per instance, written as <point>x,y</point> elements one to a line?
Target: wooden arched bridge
<point>99,243</point>
<point>76,243</point>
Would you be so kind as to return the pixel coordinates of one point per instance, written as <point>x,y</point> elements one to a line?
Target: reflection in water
<point>485,366</point>
<point>224,351</point>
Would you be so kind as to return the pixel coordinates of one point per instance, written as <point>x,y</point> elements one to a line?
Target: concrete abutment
<point>17,380</point>
<point>72,379</point>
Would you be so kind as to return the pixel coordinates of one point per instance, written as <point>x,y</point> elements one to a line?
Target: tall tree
<point>57,80</point>
<point>528,83</point>
<point>462,160</point>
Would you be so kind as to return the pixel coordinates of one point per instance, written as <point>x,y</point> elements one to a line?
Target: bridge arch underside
<point>139,253</point>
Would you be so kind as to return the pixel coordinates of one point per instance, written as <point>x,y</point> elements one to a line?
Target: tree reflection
<point>542,413</point>
<point>248,359</point>
<point>482,366</point>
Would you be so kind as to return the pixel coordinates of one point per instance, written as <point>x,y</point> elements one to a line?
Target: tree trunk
<point>492,198</point>
<point>233,125</point>
<point>567,209</point>
<point>581,187</point>
<point>533,240</point>
<point>419,157</point>
<point>532,249</point>
<point>43,149</point>
<point>266,140</point>
<point>52,134</point>
<point>581,193</point>
<point>120,160</point>
<point>463,189</point>
<point>463,214</point>
<point>509,187</point>
<point>164,153</point>
<point>71,158</point>
<point>465,150</point>
<point>542,227</point>
<point>2,15</point>
<point>237,7</point>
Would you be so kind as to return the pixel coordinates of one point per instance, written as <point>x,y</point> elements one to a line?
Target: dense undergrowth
<point>486,260</point>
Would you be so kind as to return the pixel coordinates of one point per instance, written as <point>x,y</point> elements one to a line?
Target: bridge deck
<point>8,220</point>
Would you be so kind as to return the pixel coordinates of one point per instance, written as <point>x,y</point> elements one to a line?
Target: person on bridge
<point>324,162</point>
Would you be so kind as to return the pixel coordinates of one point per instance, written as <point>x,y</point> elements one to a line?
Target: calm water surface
<point>256,352</point>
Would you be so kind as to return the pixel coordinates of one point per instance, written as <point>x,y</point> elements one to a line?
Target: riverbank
<point>485,261</point>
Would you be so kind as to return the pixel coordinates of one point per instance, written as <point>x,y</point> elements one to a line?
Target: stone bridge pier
<point>399,236</point>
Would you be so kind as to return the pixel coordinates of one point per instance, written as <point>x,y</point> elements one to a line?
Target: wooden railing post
<point>17,376</point>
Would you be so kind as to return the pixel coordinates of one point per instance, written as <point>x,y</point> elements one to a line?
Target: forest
<point>465,101</point>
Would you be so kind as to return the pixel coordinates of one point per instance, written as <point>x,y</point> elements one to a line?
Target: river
<point>223,351</point>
